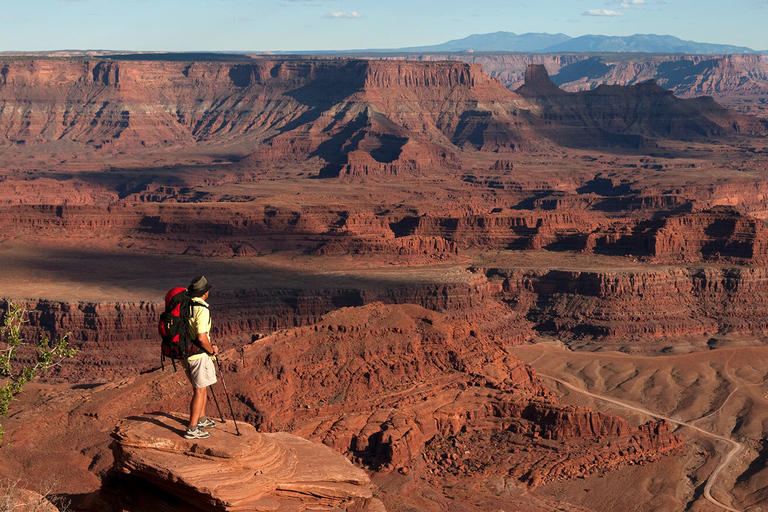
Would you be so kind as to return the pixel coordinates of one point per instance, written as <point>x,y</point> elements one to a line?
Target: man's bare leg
<point>197,406</point>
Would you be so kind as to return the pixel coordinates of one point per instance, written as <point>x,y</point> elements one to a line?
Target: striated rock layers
<point>254,471</point>
<point>704,275</point>
<point>357,118</point>
<point>628,116</point>
<point>400,114</point>
<point>557,220</point>
<point>716,235</point>
<point>379,382</point>
<point>398,389</point>
<point>641,304</point>
<point>735,80</point>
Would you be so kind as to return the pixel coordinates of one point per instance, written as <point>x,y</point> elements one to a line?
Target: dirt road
<point>735,446</point>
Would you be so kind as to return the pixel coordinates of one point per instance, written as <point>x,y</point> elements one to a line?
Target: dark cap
<point>198,287</point>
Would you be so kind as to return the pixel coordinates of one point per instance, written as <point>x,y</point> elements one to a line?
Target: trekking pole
<point>216,401</point>
<point>226,392</point>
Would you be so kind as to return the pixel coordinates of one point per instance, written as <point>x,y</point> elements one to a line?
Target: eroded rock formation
<point>379,382</point>
<point>399,389</point>
<point>735,80</point>
<point>418,219</point>
<point>253,471</point>
<point>365,118</point>
<point>628,115</point>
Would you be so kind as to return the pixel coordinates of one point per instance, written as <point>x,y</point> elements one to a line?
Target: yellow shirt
<point>199,322</point>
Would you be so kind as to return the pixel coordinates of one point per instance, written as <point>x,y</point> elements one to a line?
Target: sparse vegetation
<point>14,375</point>
<point>14,498</point>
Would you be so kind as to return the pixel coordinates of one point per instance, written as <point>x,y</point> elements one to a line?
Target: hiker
<point>199,367</point>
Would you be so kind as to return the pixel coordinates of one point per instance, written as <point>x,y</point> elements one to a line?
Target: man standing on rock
<point>199,367</point>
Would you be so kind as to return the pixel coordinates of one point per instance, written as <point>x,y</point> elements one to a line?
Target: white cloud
<point>314,3</point>
<point>601,12</point>
<point>350,15</point>
<point>626,4</point>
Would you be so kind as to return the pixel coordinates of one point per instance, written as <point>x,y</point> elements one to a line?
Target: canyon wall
<point>644,304</point>
<point>442,139</point>
<point>400,114</point>
<point>514,305</point>
<point>130,105</point>
<point>662,227</point>
<point>736,80</point>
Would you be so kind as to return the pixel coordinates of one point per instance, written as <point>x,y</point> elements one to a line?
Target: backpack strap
<point>192,304</point>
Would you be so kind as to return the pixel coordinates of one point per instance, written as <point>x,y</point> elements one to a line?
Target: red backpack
<point>177,343</point>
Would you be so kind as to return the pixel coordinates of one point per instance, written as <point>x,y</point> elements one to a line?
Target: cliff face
<point>735,80</point>
<point>595,306</point>
<point>686,76</point>
<point>558,221</point>
<point>641,305</point>
<point>369,118</point>
<point>313,107</point>
<point>634,112</point>
<point>134,104</point>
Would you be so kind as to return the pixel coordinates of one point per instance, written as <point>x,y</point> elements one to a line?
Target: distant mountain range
<point>546,43</point>
<point>497,42</point>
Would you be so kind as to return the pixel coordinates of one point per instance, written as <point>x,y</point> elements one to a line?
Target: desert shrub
<point>13,374</point>
<point>14,498</point>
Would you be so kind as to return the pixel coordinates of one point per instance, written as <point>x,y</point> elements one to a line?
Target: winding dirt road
<point>736,447</point>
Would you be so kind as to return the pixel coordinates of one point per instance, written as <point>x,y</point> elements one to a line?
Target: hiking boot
<point>196,433</point>
<point>205,423</point>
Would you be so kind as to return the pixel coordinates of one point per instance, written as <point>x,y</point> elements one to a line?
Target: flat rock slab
<point>250,472</point>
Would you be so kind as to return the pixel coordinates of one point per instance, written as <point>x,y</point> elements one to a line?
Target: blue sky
<point>274,25</point>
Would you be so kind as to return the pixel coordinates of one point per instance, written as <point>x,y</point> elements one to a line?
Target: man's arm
<point>205,343</point>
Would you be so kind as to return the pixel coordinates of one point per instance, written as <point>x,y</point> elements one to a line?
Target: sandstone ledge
<point>252,472</point>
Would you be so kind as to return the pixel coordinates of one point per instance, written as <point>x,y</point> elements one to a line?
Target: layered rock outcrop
<point>401,115</point>
<point>298,107</point>
<point>388,386</point>
<point>254,471</point>
<point>641,304</point>
<point>379,382</point>
<point>554,223</point>
<point>629,115</point>
<point>735,80</point>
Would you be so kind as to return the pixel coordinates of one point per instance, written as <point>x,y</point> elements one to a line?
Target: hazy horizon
<point>316,25</point>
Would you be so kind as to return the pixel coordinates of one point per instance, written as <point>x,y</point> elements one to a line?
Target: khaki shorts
<point>201,372</point>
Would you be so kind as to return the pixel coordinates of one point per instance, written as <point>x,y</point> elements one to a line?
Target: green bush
<point>14,375</point>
